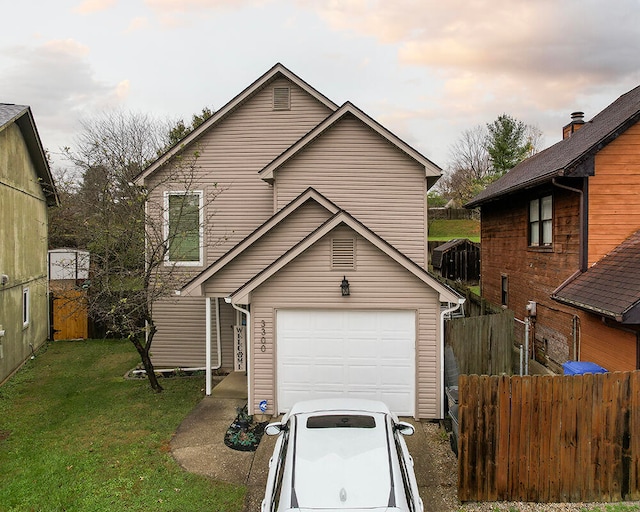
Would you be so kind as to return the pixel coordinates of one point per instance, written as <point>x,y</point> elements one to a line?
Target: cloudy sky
<point>426,69</point>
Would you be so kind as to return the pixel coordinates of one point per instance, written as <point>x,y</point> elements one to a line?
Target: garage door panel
<point>363,376</point>
<point>324,348</point>
<point>395,401</point>
<point>331,373</point>
<point>394,350</point>
<point>295,374</point>
<point>390,376</point>
<point>365,354</point>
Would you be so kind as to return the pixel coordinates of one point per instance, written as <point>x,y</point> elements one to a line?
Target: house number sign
<point>263,339</point>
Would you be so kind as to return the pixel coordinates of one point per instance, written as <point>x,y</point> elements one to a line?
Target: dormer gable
<point>281,94</point>
<point>431,170</point>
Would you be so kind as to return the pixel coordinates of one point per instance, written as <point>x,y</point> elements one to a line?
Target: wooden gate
<point>69,314</point>
<point>549,438</point>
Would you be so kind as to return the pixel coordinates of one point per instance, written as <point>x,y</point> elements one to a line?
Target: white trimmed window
<point>26,307</point>
<point>183,228</point>
<point>541,222</point>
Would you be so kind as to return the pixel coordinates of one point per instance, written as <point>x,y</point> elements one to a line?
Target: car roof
<point>339,404</point>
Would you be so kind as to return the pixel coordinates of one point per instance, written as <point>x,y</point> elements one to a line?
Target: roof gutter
<point>513,189</point>
<point>586,307</point>
<point>584,233</point>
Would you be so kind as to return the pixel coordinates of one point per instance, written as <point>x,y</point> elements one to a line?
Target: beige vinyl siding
<point>263,362</point>
<point>378,283</point>
<point>180,340</point>
<point>614,209</point>
<point>266,250</point>
<point>231,155</point>
<point>234,151</point>
<point>367,176</point>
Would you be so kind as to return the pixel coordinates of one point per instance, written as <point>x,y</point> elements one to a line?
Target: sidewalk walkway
<point>198,444</point>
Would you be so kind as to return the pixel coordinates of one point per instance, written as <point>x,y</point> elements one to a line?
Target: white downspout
<point>228,300</point>
<point>208,366</point>
<point>444,313</point>
<point>207,344</point>
<point>218,335</point>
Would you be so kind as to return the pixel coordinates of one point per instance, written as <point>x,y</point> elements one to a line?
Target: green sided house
<point>26,190</point>
<point>308,269</point>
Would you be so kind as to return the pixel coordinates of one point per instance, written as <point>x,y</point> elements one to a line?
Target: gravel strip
<point>444,492</point>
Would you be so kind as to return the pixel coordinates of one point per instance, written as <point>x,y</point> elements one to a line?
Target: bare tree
<point>124,226</point>
<point>484,153</point>
<point>469,153</point>
<point>468,166</point>
<point>534,137</point>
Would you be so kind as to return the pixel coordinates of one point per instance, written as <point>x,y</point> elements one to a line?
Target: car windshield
<point>342,461</point>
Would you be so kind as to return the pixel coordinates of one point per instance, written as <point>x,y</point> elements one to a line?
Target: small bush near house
<point>76,436</point>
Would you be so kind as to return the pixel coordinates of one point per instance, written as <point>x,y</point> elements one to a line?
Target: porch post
<point>208,347</point>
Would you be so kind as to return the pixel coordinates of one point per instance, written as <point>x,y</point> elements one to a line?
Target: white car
<point>341,454</point>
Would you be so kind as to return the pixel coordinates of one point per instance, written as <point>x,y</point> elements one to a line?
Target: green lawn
<point>76,436</point>
<point>445,230</point>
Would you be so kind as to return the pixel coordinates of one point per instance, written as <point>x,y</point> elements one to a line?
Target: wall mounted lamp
<point>344,287</point>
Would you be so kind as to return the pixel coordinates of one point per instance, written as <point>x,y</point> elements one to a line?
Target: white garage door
<point>360,354</point>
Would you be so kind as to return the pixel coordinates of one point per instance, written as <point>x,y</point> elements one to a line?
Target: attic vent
<point>281,98</point>
<point>343,253</point>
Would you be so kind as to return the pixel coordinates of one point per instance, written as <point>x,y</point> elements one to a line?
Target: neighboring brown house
<point>313,196</point>
<point>26,191</point>
<point>561,229</point>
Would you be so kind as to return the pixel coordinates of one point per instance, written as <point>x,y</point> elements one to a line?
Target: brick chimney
<point>577,120</point>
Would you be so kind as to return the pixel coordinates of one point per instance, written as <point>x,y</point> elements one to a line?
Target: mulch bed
<point>244,435</point>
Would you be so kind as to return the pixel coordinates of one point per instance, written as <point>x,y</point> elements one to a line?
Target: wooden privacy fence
<point>549,438</point>
<point>482,344</point>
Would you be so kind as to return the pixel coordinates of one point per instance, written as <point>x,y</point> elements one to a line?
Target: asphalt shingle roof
<point>562,158</point>
<point>611,287</point>
<point>8,112</point>
<point>21,116</point>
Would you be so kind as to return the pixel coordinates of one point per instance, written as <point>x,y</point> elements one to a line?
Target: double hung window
<point>541,222</point>
<point>183,228</point>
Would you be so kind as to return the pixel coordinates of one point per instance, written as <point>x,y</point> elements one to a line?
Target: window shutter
<point>343,253</point>
<point>281,98</point>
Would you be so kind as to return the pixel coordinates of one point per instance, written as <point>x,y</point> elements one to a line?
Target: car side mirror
<point>406,429</point>
<point>274,429</point>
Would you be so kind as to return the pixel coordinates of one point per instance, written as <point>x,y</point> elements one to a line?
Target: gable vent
<point>281,98</point>
<point>343,253</point>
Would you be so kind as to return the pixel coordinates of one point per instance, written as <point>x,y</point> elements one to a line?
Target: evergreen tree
<point>506,144</point>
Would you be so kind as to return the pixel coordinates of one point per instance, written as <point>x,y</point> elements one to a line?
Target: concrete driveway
<point>198,446</point>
